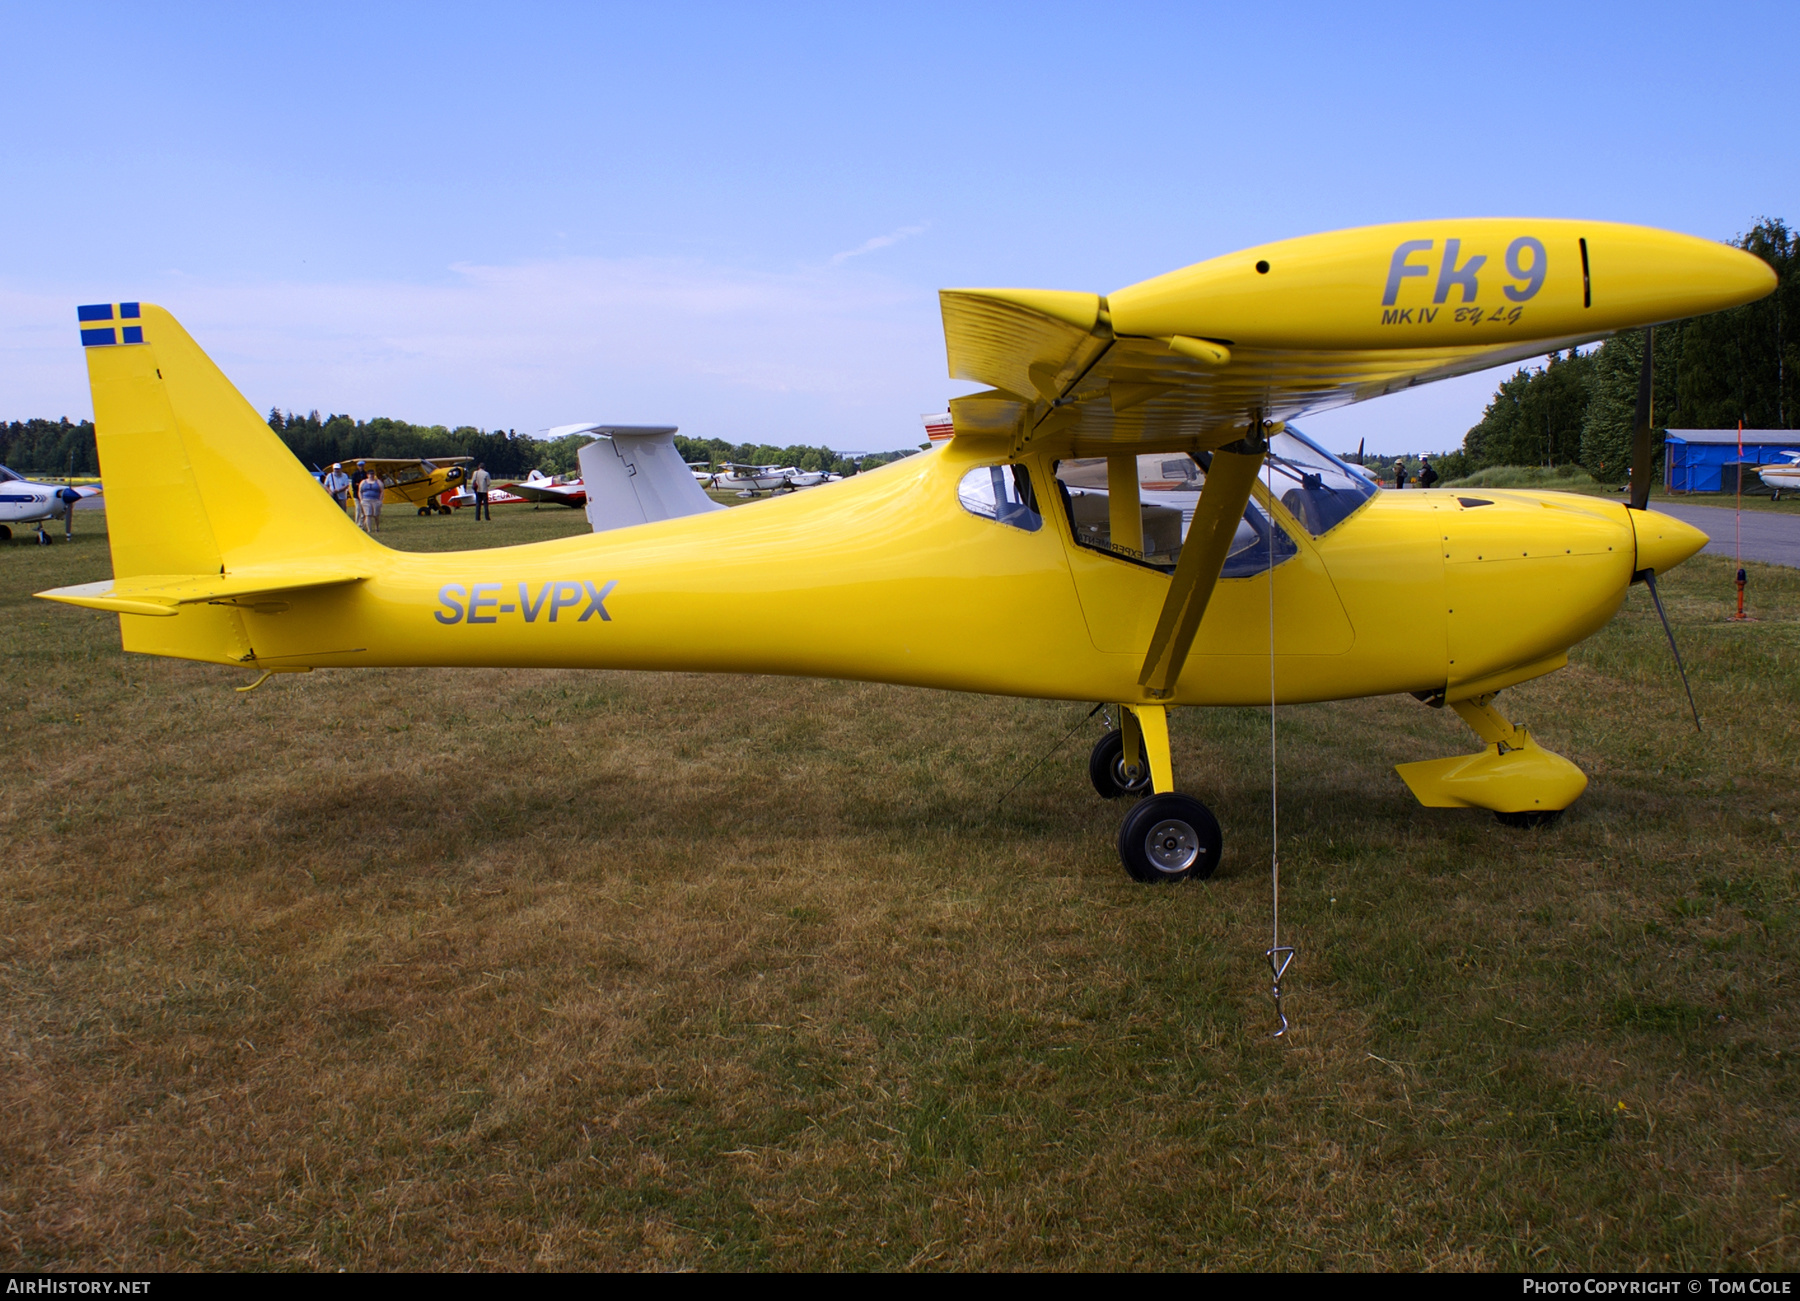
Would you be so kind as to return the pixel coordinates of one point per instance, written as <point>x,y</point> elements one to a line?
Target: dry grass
<point>550,969</point>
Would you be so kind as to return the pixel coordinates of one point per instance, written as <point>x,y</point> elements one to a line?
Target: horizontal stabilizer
<point>165,594</point>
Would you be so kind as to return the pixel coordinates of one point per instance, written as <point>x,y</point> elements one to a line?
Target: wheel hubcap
<point>1127,779</point>
<point>1172,846</point>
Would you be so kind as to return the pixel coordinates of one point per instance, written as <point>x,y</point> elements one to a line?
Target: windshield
<point>1316,487</point>
<point>7,476</point>
<point>1003,493</point>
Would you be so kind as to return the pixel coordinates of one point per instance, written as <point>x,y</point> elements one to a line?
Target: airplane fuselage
<point>885,577</point>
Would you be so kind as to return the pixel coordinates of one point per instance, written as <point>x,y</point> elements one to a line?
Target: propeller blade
<point>1641,449</point>
<point>1650,582</point>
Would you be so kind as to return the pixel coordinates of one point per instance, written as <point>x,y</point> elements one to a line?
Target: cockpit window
<point>1003,493</point>
<point>1168,490</point>
<point>7,476</point>
<point>1316,487</point>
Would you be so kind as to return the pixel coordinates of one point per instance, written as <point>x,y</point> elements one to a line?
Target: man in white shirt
<point>478,483</point>
<point>337,483</point>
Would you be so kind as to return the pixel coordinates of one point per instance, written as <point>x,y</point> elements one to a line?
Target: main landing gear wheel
<point>5,534</point>
<point>1106,769</point>
<point>1170,837</point>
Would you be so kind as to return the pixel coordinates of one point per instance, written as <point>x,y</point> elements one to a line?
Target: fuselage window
<point>7,476</point>
<point>1166,492</point>
<point>1003,493</point>
<point>1316,487</point>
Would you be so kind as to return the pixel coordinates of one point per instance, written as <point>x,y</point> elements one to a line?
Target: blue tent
<point>1696,459</point>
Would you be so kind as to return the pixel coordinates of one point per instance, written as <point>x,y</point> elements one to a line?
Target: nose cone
<point>1663,541</point>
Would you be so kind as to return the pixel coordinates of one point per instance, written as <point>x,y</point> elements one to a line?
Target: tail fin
<point>198,487</point>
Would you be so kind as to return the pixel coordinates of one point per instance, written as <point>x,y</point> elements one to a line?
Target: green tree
<point>1612,404</point>
<point>1536,416</point>
<point>1744,364</point>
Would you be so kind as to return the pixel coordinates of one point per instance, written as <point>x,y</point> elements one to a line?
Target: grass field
<point>434,969</point>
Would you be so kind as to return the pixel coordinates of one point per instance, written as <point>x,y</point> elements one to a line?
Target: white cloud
<point>880,241</point>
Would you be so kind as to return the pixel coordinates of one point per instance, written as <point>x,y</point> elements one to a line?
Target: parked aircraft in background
<point>634,475</point>
<point>547,489</point>
<point>411,480</point>
<point>26,501</point>
<point>1782,478</point>
<point>465,496</point>
<point>751,479</point>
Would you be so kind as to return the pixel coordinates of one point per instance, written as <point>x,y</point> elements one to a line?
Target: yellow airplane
<point>410,481</point>
<point>1003,562</point>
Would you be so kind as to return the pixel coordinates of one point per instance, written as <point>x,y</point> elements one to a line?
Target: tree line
<point>1710,372</point>
<point>509,454</point>
<point>49,447</point>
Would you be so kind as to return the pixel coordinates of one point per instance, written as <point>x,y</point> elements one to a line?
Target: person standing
<point>356,483</point>
<point>337,483</point>
<point>369,498</point>
<point>478,483</point>
<point>1427,475</point>
<point>1399,473</point>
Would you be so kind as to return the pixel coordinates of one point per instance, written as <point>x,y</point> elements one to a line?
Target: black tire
<point>5,534</point>
<point>1531,818</point>
<point>1170,837</point>
<point>1106,769</point>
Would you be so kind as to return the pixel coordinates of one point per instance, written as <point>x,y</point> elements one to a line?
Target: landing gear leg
<point>1167,836</point>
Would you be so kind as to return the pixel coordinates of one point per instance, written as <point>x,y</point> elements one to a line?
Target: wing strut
<point>1222,502</point>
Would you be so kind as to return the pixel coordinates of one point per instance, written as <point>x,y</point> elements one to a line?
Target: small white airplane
<point>550,489</point>
<point>752,479</point>
<point>812,478</point>
<point>1782,476</point>
<point>25,501</point>
<point>465,496</point>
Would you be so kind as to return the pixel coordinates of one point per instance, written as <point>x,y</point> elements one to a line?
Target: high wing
<point>384,466</point>
<point>1183,360</point>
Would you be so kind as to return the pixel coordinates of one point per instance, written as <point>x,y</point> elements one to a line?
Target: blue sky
<point>736,218</point>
